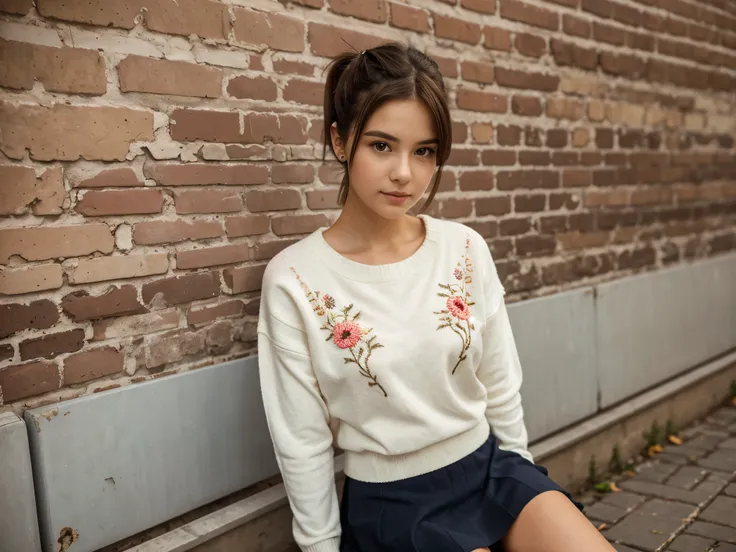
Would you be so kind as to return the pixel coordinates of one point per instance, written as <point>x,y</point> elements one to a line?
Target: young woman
<point>386,335</point>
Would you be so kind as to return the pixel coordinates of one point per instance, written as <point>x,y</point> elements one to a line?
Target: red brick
<point>92,364</point>
<point>66,133</point>
<point>601,8</point>
<point>463,156</point>
<point>476,180</point>
<point>292,174</point>
<point>448,67</point>
<point>456,29</point>
<point>557,138</point>
<point>530,45</point>
<point>159,231</point>
<point>129,326</point>
<point>268,250</point>
<point>503,158</point>
<point>207,201</point>
<point>247,225</point>
<point>481,6</point>
<point>497,39</point>
<point>120,202</point>
<point>577,178</point>
<point>575,26</point>
<point>477,72</point>
<point>21,189</point>
<point>527,179</point>
<point>327,41</point>
<point>116,301</point>
<point>607,33</point>
<point>532,15</point>
<point>530,203</point>
<point>205,174</point>
<point>16,7</point>
<point>16,317</point>
<point>6,351</point>
<point>509,135</point>
<point>273,30</point>
<point>223,126</point>
<point>235,151</point>
<point>411,19</point>
<point>66,70</point>
<point>310,3</point>
<point>273,200</point>
<point>512,78</point>
<point>375,11</point>
<point>627,15</point>
<point>212,256</point>
<point>298,224</point>
<point>173,347</point>
<point>253,88</point>
<point>244,279</point>
<point>640,41</point>
<point>174,78</point>
<point>320,199</point>
<point>455,208</point>
<point>52,345</point>
<point>622,65</point>
<point>53,242</point>
<point>495,206</point>
<point>112,178</point>
<point>563,200</point>
<point>481,101</point>
<point>204,315</point>
<point>183,289</point>
<point>287,67</point>
<point>304,92</point>
<point>565,158</point>
<point>208,19</point>
<point>528,246</point>
<point>537,158</point>
<point>29,279</point>
<point>100,269</point>
<point>569,54</point>
<point>515,226</point>
<point>27,380</point>
<point>527,106</point>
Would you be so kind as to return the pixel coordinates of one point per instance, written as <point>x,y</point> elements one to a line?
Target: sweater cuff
<point>329,545</point>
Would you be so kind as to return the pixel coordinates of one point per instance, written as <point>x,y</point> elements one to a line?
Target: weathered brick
<point>604,138</point>
<point>247,225</point>
<point>481,101</point>
<point>565,108</point>
<point>455,208</point>
<point>512,78</point>
<point>327,41</point>
<point>448,67</point>
<point>224,126</point>
<point>92,364</point>
<point>54,242</point>
<point>557,138</point>
<point>157,232</point>
<point>210,313</point>
<point>129,326</point>
<point>16,317</point>
<point>298,224</point>
<point>320,199</point>
<point>206,18</point>
<point>608,33</point>
<point>597,198</point>
<point>21,189</point>
<point>409,18</point>
<point>254,88</point>
<point>98,203</point>
<point>52,345</point>
<point>375,11</point>
<point>112,178</point>
<point>460,157</point>
<point>264,251</point>
<point>575,26</point>
<point>66,70</point>
<point>116,267</point>
<point>477,72</point>
<point>509,135</point>
<point>273,200</point>
<point>456,29</point>
<point>206,174</point>
<point>529,179</point>
<point>495,206</point>
<point>16,7</point>
<point>515,226</point>
<point>625,65</point>
<point>207,201</point>
<point>496,39</point>
<point>528,246</point>
<point>29,279</point>
<point>288,67</point>
<point>568,54</point>
<point>532,15</point>
<point>577,178</point>
<point>173,347</point>
<point>27,380</point>
<point>243,279</point>
<point>530,45</point>
<point>66,132</point>
<point>481,6</point>
<point>530,203</point>
<point>6,351</point>
<point>183,289</point>
<point>116,301</point>
<point>580,137</point>
<point>304,92</point>
<point>538,158</point>
<point>476,180</point>
<point>174,78</point>
<point>292,174</point>
<point>499,157</point>
<point>212,256</point>
<point>527,106</point>
<point>482,133</point>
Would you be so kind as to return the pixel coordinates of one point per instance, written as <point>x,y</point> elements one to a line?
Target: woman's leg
<point>551,523</point>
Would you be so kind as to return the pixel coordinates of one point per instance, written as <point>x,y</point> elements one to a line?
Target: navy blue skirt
<point>469,504</point>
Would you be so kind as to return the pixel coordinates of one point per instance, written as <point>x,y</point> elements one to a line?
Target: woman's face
<point>395,159</point>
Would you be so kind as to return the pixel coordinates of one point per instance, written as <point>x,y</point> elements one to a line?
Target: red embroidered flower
<point>347,334</point>
<point>458,274</point>
<point>329,302</point>
<point>458,307</point>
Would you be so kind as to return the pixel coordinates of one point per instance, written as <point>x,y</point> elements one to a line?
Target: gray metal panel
<point>555,336</point>
<point>113,464</point>
<point>18,518</point>
<point>654,326</point>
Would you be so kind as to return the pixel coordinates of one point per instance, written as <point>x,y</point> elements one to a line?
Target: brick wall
<point>155,154</point>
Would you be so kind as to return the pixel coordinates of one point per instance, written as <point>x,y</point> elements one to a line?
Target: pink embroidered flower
<point>329,302</point>
<point>458,307</point>
<point>347,334</point>
<point>458,274</point>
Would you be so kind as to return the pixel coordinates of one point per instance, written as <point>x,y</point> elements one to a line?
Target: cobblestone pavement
<point>682,500</point>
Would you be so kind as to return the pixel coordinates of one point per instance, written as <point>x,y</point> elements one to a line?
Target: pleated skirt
<point>469,504</point>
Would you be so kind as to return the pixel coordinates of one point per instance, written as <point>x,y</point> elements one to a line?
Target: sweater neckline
<point>384,272</point>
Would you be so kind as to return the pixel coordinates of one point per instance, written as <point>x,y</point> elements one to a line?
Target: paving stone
<point>623,500</point>
<point>724,547</point>
<point>623,548</point>
<point>663,491</point>
<point>728,443</point>
<point>605,513</point>
<point>731,489</point>
<point>723,417</point>
<point>687,477</point>
<point>722,460</point>
<point>722,510</point>
<point>690,543</point>
<point>654,472</point>
<point>711,530</point>
<point>668,457</point>
<point>716,432</point>
<point>651,525</point>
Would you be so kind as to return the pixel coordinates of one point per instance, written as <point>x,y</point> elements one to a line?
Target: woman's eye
<point>380,146</point>
<point>425,152</point>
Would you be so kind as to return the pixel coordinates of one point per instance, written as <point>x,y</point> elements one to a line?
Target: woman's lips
<point>395,197</point>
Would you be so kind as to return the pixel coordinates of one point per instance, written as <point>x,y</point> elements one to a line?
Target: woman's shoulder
<point>454,233</point>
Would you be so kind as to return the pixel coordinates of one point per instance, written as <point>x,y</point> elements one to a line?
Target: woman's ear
<point>338,144</point>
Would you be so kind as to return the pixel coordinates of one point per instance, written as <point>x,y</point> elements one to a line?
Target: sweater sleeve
<point>500,368</point>
<point>298,421</point>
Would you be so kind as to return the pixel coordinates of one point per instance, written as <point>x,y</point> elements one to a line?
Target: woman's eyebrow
<point>386,136</point>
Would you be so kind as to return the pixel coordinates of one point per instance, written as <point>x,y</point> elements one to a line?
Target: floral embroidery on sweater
<point>345,332</point>
<point>456,315</point>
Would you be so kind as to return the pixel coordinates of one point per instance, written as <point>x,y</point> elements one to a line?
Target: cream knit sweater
<point>403,366</point>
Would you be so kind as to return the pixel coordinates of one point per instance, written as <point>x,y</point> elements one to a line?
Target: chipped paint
<point>50,414</point>
<point>67,537</point>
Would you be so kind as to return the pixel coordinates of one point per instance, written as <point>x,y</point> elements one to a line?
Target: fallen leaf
<point>675,440</point>
<point>602,526</point>
<point>614,488</point>
<point>733,401</point>
<point>630,473</point>
<point>654,449</point>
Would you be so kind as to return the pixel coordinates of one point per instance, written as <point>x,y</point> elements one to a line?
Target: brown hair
<point>359,83</point>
